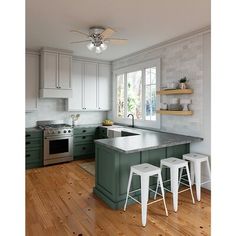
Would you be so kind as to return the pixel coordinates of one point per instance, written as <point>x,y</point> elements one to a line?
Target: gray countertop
<point>146,140</point>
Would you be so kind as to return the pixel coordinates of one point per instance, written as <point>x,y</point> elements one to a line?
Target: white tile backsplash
<point>55,109</point>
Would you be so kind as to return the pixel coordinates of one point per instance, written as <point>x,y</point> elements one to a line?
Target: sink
<point>119,132</point>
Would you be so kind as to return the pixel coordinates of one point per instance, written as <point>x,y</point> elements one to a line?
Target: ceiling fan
<point>98,37</point>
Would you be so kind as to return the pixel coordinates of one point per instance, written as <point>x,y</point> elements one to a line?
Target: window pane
<point>134,94</point>
<point>120,96</point>
<point>153,102</point>
<point>148,76</point>
<point>153,75</point>
<point>150,94</point>
<point>148,102</point>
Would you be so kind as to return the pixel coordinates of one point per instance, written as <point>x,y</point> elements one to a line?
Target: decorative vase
<point>182,85</point>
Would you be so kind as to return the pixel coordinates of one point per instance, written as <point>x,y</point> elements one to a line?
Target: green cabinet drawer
<point>84,130</point>
<point>84,149</point>
<point>33,134</point>
<point>33,143</point>
<point>33,158</point>
<point>83,139</point>
<point>102,132</point>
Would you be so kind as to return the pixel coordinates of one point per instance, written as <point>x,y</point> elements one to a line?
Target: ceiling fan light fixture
<point>90,46</point>
<point>103,46</point>
<point>98,50</point>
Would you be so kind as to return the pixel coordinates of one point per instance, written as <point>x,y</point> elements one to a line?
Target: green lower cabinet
<point>102,132</point>
<point>113,168</point>
<point>33,149</point>
<point>83,150</point>
<point>33,158</point>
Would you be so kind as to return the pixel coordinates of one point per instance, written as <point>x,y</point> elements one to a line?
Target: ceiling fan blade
<point>107,33</point>
<point>117,41</point>
<point>80,32</point>
<point>83,41</point>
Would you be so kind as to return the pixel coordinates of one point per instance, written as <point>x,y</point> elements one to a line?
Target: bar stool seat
<point>175,164</point>
<point>196,161</point>
<point>145,171</point>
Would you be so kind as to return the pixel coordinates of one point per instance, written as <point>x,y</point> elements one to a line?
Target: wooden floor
<point>60,201</point>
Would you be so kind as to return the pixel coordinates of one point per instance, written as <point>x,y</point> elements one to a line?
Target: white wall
<point>188,56</point>
<point>54,109</point>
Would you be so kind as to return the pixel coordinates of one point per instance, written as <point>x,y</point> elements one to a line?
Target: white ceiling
<point>143,22</point>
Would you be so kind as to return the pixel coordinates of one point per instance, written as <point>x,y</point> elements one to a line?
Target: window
<point>136,92</point>
<point>150,93</point>
<point>120,100</point>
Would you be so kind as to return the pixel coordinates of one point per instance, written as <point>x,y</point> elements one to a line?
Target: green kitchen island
<point>114,156</point>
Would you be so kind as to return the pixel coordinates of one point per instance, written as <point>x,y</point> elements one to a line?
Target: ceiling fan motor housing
<point>95,35</point>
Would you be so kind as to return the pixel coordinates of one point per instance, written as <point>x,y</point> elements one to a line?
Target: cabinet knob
<point>99,108</point>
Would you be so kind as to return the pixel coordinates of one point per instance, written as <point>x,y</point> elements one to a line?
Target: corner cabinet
<point>31,81</point>
<point>91,86</point>
<point>55,80</point>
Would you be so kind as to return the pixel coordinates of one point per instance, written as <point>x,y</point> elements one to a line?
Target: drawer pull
<point>27,155</point>
<point>27,135</point>
<point>84,131</point>
<point>83,137</point>
<point>28,143</point>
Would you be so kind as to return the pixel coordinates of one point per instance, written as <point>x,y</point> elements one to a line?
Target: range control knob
<point>59,132</point>
<point>69,131</point>
<point>64,131</point>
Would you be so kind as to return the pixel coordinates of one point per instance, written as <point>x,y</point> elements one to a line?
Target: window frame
<point>135,67</point>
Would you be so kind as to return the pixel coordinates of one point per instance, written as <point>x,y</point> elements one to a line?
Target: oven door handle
<point>58,137</point>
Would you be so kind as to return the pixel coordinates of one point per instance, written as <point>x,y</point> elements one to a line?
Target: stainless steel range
<point>58,141</point>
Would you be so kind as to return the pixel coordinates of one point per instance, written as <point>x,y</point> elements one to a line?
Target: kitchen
<point>70,92</point>
<point>108,98</point>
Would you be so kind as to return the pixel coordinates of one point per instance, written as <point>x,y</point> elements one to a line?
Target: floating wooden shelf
<point>177,113</point>
<point>175,91</point>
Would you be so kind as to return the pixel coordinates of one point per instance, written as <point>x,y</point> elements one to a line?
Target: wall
<point>54,109</point>
<point>185,56</point>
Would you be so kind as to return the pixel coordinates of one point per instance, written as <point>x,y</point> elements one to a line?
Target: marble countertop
<point>145,140</point>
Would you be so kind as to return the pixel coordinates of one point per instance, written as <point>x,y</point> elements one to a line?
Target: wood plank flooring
<point>60,201</point>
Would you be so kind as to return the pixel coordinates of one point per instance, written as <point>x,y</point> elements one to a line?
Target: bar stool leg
<point>128,189</point>
<point>155,195</point>
<point>174,186</point>
<point>144,197</point>
<point>192,172</point>
<point>190,184</point>
<point>180,176</point>
<point>163,195</point>
<point>209,169</point>
<point>197,171</point>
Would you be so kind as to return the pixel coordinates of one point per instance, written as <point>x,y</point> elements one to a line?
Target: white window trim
<point>140,66</point>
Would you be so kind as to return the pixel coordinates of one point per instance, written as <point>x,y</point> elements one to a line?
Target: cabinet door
<point>50,70</point>
<point>64,76</point>
<point>31,81</point>
<point>104,87</point>
<point>76,102</point>
<point>90,86</point>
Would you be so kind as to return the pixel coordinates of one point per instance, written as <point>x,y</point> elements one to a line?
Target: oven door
<point>58,147</point>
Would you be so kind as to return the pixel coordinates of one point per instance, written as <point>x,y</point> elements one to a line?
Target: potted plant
<point>182,83</point>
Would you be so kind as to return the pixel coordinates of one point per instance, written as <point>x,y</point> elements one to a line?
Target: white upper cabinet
<point>91,86</point>
<point>55,81</point>
<point>76,102</point>
<point>64,76</point>
<point>31,81</point>
<point>104,87</point>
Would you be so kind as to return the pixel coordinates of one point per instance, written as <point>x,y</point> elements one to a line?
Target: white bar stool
<point>196,160</point>
<point>175,164</point>
<point>145,170</point>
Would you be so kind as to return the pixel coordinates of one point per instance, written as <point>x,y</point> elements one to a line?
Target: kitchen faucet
<point>132,120</point>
